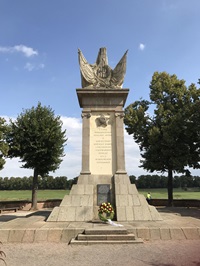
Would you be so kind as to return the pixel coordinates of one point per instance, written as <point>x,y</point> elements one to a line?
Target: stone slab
<point>172,227</point>
<point>4,235</point>
<point>143,233</point>
<point>54,235</point>
<point>177,234</point>
<point>191,233</point>
<point>155,234</point>
<point>29,236</point>
<point>16,235</point>
<point>165,234</point>
<point>41,235</point>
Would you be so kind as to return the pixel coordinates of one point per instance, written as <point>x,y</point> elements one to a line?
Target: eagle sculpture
<point>101,74</point>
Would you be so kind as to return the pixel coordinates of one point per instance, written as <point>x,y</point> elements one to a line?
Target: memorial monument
<point>103,177</point>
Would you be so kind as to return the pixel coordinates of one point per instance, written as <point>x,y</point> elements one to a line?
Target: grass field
<point>27,194</point>
<point>157,193</point>
<point>178,193</point>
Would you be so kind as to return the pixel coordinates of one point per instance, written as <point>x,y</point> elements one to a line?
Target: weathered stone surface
<point>103,160</point>
<point>191,233</point>
<point>54,235</point>
<point>4,235</point>
<point>129,213</point>
<point>155,233</point>
<point>121,214</point>
<point>165,233</point>
<point>67,214</point>
<point>67,201</point>
<point>54,215</point>
<point>41,235</point>
<point>177,234</point>
<point>143,233</point>
<point>100,74</point>
<point>29,236</point>
<point>16,235</point>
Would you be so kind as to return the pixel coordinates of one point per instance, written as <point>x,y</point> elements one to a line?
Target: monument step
<point>106,231</point>
<point>105,237</point>
<point>100,242</point>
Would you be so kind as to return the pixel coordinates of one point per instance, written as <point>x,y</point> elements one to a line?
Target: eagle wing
<point>119,72</point>
<point>87,73</point>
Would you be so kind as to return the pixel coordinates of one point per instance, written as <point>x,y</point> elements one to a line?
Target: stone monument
<point>103,177</point>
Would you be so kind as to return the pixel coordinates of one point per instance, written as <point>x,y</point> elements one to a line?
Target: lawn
<point>27,194</point>
<point>157,193</point>
<point>178,193</point>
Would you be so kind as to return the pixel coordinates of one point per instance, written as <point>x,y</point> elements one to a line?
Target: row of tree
<point>167,127</point>
<point>46,182</point>
<point>61,182</point>
<point>156,181</point>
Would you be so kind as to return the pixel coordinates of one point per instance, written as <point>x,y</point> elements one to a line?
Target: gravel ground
<point>157,253</point>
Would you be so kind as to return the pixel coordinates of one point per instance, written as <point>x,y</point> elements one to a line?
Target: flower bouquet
<point>106,212</point>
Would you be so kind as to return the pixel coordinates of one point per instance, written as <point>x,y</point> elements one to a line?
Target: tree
<point>132,179</point>
<point>169,139</point>
<point>3,143</point>
<point>36,137</point>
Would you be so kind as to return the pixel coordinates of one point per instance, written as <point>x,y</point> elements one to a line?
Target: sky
<point>39,43</point>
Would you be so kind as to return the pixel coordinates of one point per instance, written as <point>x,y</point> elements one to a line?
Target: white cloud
<point>71,165</point>
<point>26,51</point>
<point>30,66</point>
<point>142,46</point>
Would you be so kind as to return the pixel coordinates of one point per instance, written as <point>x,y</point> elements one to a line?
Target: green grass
<point>178,193</point>
<point>157,193</point>
<point>27,194</point>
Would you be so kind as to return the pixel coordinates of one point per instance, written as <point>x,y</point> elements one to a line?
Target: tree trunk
<point>34,190</point>
<point>170,188</point>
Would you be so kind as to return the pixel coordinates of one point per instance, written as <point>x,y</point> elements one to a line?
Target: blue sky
<point>39,60</point>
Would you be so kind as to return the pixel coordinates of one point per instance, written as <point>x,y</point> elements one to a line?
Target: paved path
<point>156,253</point>
<point>153,252</point>
<point>28,227</point>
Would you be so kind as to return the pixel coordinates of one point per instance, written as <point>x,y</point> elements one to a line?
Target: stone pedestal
<point>103,163</point>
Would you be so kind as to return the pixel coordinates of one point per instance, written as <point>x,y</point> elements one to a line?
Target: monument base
<point>84,198</point>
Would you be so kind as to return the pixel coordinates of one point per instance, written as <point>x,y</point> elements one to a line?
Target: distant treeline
<point>62,182</point>
<point>47,182</point>
<point>156,181</point>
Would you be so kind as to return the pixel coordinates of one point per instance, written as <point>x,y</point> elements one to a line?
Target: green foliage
<point>157,181</point>
<point>169,140</point>
<point>24,183</point>
<point>37,138</point>
<point>3,144</point>
<point>132,179</point>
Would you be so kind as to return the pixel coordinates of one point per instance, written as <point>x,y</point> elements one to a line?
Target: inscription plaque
<point>103,193</point>
<point>102,148</point>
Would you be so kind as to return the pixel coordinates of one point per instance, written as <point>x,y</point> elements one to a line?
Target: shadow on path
<point>181,211</point>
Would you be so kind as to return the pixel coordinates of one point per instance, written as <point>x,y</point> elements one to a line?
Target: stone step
<point>103,242</point>
<point>106,231</point>
<point>105,237</point>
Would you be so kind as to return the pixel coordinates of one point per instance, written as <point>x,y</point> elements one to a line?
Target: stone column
<point>86,143</point>
<point>120,160</point>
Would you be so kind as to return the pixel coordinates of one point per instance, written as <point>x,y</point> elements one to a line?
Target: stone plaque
<point>103,193</point>
<point>102,148</point>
